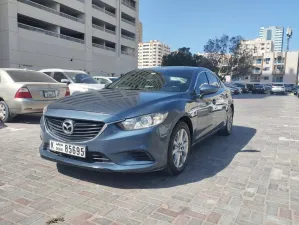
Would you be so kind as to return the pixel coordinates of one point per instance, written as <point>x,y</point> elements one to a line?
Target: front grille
<point>84,130</point>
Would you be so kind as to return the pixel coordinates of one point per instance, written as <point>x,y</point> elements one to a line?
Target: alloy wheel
<point>180,148</point>
<point>2,111</point>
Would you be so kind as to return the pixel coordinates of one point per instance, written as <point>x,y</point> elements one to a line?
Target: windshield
<point>81,78</point>
<point>29,76</point>
<point>259,86</point>
<point>240,85</point>
<point>150,80</point>
<point>113,78</point>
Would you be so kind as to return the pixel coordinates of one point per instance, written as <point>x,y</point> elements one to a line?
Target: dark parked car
<point>145,121</point>
<point>260,89</point>
<point>288,87</point>
<point>250,86</point>
<point>243,86</point>
<point>295,89</point>
<point>234,90</point>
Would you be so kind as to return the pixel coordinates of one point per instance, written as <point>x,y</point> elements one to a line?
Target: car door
<point>219,100</point>
<point>201,108</point>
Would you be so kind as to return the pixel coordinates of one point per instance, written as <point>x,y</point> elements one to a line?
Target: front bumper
<point>24,106</point>
<point>119,147</point>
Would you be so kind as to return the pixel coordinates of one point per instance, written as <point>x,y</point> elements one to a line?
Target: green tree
<point>229,55</point>
<point>182,57</point>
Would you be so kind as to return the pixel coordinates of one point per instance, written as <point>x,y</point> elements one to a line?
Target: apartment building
<point>150,53</point>
<point>140,32</point>
<point>98,36</point>
<point>272,67</point>
<point>258,45</point>
<point>275,34</point>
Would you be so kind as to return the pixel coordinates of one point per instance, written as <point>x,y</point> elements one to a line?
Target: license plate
<point>69,149</point>
<point>50,94</point>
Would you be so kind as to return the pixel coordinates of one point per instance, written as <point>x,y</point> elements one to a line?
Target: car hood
<point>116,104</point>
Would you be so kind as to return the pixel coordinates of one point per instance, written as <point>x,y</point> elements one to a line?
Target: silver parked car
<point>25,91</point>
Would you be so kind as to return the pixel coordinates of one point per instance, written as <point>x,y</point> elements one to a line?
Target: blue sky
<point>190,23</point>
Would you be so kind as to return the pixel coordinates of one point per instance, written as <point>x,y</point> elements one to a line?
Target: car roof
<point>17,69</point>
<point>61,70</point>
<point>176,68</point>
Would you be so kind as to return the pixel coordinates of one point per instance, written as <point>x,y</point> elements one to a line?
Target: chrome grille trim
<point>84,131</point>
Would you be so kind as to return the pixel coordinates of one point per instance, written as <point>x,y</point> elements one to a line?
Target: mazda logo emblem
<point>68,127</point>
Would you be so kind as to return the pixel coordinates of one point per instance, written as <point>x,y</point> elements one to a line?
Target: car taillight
<point>67,93</point>
<point>23,93</point>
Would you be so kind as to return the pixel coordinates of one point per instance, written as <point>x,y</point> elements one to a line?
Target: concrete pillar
<point>88,36</point>
<point>8,34</point>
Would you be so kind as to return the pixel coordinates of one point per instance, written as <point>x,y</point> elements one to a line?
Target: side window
<point>201,80</point>
<point>58,76</point>
<point>48,73</point>
<point>104,81</point>
<point>213,80</point>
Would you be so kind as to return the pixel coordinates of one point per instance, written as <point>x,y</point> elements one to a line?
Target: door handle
<point>214,101</point>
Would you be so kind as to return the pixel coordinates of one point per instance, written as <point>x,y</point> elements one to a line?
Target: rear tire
<point>227,129</point>
<point>179,149</point>
<point>5,114</point>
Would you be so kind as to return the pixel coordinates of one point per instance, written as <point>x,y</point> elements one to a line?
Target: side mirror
<point>65,81</point>
<point>207,89</point>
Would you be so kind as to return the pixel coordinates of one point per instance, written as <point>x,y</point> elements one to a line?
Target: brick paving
<point>251,177</point>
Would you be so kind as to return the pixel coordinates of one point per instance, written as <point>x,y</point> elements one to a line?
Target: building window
<point>267,60</point>
<point>266,78</point>
<point>277,79</point>
<point>258,61</point>
<point>266,68</point>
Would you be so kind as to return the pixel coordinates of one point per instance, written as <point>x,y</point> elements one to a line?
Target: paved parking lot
<point>251,177</point>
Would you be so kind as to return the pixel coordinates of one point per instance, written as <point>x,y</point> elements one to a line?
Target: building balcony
<point>51,10</point>
<point>102,9</point>
<point>128,21</point>
<point>103,29</point>
<point>129,3</point>
<point>256,72</point>
<point>128,38</point>
<point>278,72</point>
<point>125,50</point>
<point>103,47</point>
<point>50,33</point>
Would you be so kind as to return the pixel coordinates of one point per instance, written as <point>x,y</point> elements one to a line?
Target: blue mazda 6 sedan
<point>145,121</point>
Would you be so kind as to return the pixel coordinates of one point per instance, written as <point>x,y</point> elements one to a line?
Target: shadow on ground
<point>28,119</point>
<point>2,125</point>
<point>207,159</point>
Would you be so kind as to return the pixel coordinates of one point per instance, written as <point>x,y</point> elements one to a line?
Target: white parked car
<point>278,89</point>
<point>105,80</point>
<point>78,81</point>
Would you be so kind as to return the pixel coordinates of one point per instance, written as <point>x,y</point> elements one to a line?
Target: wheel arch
<point>188,121</point>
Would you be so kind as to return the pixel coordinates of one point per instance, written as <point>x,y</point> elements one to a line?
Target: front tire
<point>227,129</point>
<point>5,114</point>
<point>179,148</point>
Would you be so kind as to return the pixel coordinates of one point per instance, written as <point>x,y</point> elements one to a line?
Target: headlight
<point>45,110</point>
<point>142,122</point>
